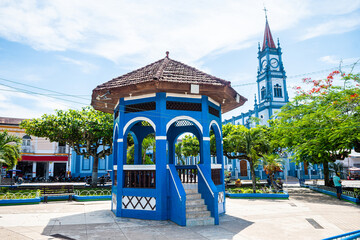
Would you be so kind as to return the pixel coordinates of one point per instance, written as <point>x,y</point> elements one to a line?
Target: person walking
<point>337,184</point>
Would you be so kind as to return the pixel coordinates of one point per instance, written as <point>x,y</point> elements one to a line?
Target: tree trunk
<point>95,172</point>
<point>326,172</point>
<point>253,177</point>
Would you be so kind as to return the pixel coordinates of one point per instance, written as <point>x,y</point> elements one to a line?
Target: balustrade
<point>187,173</point>
<point>139,179</point>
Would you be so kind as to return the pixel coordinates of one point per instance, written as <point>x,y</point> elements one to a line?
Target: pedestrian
<point>268,181</point>
<point>337,184</point>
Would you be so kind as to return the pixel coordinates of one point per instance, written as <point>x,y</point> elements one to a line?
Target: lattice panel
<point>140,107</point>
<point>214,111</point>
<point>221,197</point>
<point>139,203</point>
<point>186,106</point>
<point>183,123</point>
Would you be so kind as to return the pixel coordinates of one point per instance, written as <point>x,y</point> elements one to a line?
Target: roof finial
<point>265,10</point>
<point>167,54</point>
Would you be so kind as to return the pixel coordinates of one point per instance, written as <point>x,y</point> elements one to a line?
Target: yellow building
<point>39,156</point>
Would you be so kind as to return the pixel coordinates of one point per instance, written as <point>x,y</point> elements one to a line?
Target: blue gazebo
<point>167,99</point>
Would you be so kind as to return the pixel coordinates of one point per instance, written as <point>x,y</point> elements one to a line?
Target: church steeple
<point>268,39</point>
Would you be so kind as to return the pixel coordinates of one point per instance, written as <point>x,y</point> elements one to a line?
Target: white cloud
<point>336,25</point>
<point>143,30</point>
<point>335,60</point>
<point>85,66</point>
<point>40,105</point>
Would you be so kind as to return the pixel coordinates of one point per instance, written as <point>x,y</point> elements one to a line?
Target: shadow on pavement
<point>102,224</point>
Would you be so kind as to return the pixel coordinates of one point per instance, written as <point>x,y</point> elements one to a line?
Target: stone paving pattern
<point>245,219</point>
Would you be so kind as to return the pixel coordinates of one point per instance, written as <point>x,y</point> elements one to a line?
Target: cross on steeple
<point>265,10</point>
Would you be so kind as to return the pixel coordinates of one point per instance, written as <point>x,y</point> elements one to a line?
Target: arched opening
<point>216,153</point>
<point>139,148</point>
<point>184,137</point>
<point>140,144</point>
<point>277,91</point>
<point>263,93</point>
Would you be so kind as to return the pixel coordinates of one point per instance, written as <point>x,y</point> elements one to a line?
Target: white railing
<point>205,180</point>
<point>174,181</point>
<point>216,166</point>
<point>139,167</point>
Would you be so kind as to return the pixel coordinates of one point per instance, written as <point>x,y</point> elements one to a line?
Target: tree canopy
<point>321,125</point>
<point>10,147</point>
<point>243,143</point>
<point>88,131</point>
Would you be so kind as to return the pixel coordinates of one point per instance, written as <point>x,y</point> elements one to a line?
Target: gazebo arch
<point>172,98</point>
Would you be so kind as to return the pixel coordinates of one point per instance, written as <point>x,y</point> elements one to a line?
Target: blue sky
<point>70,47</point>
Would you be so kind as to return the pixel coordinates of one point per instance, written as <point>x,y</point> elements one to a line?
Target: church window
<point>277,91</point>
<point>263,92</point>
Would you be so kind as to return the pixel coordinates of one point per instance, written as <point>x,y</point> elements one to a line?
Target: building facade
<point>39,156</point>
<point>272,95</point>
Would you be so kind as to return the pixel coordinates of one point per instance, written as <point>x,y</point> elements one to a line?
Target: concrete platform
<point>306,215</point>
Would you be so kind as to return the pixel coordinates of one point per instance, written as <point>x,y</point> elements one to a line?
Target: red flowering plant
<point>322,123</point>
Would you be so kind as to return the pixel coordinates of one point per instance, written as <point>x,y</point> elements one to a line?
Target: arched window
<point>277,91</point>
<point>262,93</point>
<point>26,140</point>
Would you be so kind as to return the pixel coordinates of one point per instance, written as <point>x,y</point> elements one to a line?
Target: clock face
<point>264,63</point>
<point>274,63</point>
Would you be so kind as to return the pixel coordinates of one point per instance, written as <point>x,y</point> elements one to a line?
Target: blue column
<point>161,171</point>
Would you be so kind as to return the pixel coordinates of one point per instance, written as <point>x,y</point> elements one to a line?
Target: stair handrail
<point>346,236</point>
<point>207,184</point>
<point>172,176</point>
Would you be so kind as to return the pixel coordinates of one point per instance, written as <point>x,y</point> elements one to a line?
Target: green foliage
<point>243,143</point>
<point>178,153</point>
<point>190,146</point>
<point>9,149</point>
<point>147,144</point>
<point>321,125</point>
<point>88,131</point>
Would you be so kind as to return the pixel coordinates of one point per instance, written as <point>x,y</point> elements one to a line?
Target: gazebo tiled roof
<point>165,75</point>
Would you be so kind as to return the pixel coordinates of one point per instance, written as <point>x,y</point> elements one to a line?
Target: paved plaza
<point>306,215</point>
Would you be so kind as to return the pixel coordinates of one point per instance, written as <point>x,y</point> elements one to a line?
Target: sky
<point>54,53</point>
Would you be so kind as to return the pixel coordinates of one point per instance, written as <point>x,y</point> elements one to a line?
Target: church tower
<point>271,77</point>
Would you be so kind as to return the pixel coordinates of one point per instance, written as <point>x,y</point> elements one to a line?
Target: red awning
<point>35,158</point>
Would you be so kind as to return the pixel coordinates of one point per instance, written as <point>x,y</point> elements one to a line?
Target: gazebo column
<point>161,174</point>
<point>205,141</point>
<point>121,158</point>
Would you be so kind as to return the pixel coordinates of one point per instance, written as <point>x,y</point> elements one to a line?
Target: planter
<point>285,195</point>
<point>345,197</point>
<point>7,202</point>
<point>91,198</point>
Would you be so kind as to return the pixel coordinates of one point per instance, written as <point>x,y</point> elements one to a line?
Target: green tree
<point>9,150</point>
<point>178,153</point>
<point>88,131</point>
<point>147,144</point>
<point>272,163</point>
<point>321,125</point>
<point>190,146</point>
<point>243,143</point>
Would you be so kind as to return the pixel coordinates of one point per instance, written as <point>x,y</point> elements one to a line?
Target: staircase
<point>196,210</point>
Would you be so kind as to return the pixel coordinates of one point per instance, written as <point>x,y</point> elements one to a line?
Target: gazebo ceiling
<point>165,75</point>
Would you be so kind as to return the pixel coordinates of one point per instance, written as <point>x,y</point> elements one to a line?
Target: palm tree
<point>272,163</point>
<point>9,150</point>
<point>250,144</point>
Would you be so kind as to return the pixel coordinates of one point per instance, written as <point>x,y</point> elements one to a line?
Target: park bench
<point>57,190</point>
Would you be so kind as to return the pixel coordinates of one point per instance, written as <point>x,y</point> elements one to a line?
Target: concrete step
<point>197,214</point>
<point>191,191</point>
<point>190,186</point>
<point>193,196</point>
<point>192,202</point>
<point>200,207</point>
<point>200,221</point>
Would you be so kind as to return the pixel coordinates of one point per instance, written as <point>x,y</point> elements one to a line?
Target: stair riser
<point>193,196</point>
<point>196,209</point>
<point>195,202</point>
<point>197,215</point>
<point>200,222</point>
